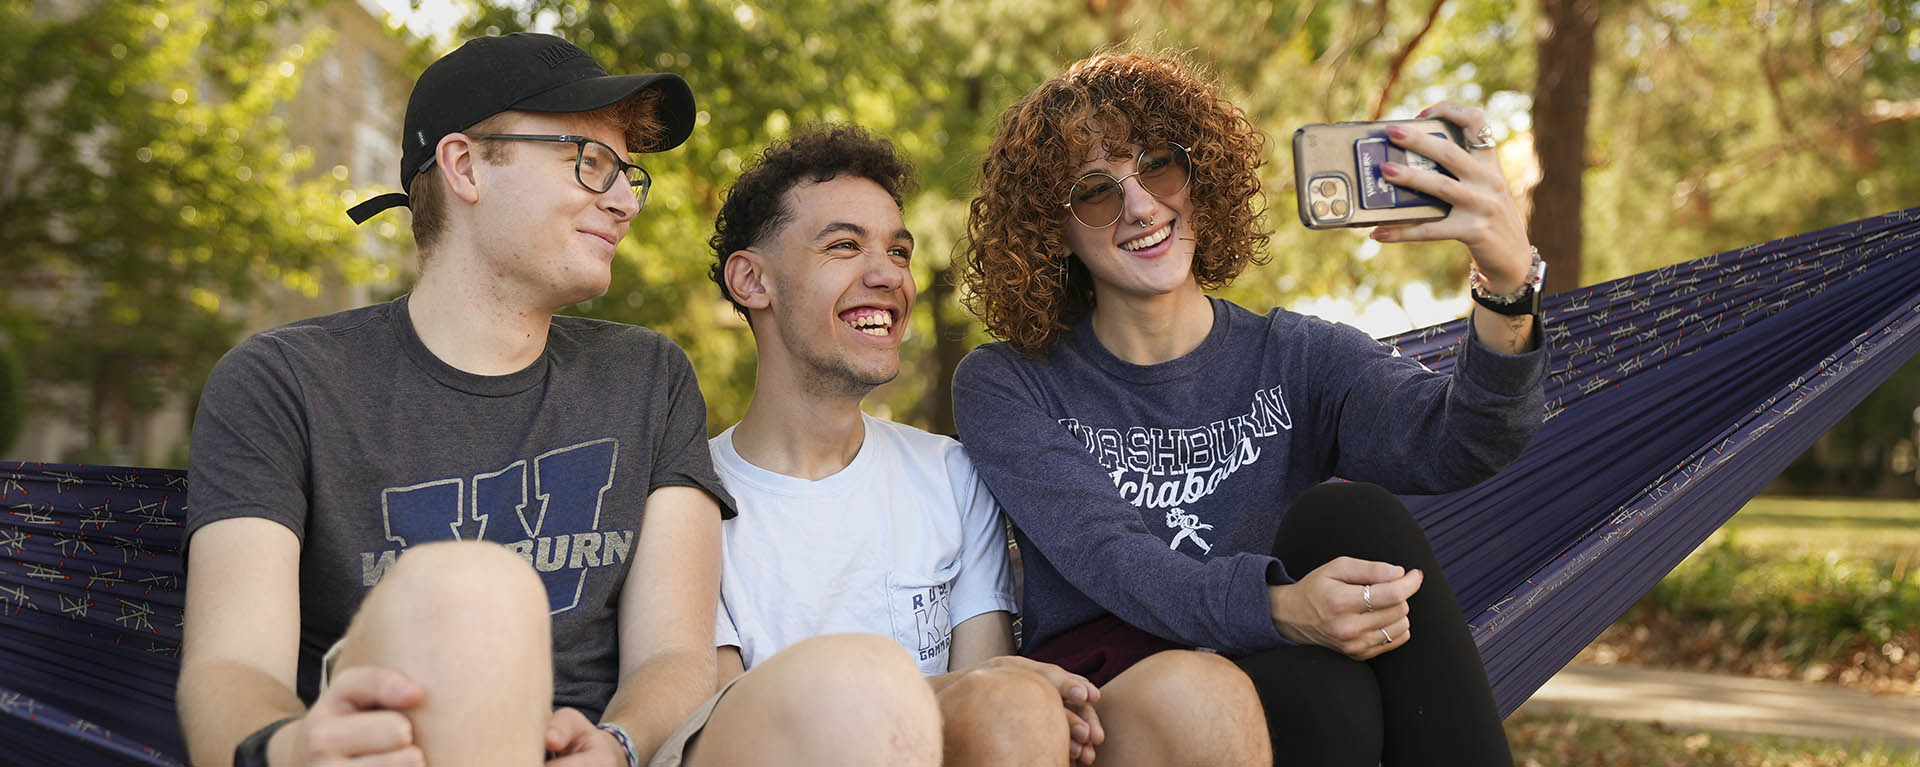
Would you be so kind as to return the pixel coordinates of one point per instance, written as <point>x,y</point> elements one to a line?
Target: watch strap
<point>252,750</point>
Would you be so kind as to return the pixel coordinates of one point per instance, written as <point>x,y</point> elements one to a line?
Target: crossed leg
<point>468,622</point>
<point>844,699</point>
<point>1003,717</point>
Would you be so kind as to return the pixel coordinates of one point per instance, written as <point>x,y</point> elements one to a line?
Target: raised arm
<point>1414,431</point>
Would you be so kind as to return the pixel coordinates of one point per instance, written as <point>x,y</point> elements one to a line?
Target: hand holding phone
<point>1336,170</point>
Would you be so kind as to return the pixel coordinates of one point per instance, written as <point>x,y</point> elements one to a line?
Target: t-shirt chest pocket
<point>921,607</point>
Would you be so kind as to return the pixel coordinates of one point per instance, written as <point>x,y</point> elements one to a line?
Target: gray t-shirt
<point>347,430</point>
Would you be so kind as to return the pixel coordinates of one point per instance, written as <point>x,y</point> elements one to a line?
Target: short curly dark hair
<point>1021,279</point>
<point>754,207</point>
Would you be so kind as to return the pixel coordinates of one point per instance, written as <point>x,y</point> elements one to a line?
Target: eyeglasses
<point>595,165</point>
<point>1096,200</point>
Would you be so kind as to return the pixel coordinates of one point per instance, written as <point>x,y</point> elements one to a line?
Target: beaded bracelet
<point>1526,300</point>
<point>626,741</point>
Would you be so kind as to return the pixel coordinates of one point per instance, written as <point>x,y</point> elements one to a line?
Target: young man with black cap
<point>511,456</point>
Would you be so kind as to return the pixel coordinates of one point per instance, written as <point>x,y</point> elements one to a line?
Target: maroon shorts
<point>1101,648</point>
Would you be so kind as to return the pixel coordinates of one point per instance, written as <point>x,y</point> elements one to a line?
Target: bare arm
<point>242,632</point>
<point>975,641</point>
<point>666,617</point>
<point>1501,333</point>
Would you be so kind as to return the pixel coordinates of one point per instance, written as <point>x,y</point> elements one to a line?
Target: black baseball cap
<point>526,71</point>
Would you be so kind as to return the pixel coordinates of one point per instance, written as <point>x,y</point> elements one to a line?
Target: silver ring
<point>1148,222</point>
<point>1366,595</point>
<point>1481,139</point>
<point>1385,638</point>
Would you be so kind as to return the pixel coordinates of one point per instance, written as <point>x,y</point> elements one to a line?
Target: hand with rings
<point>1353,606</point>
<point>1484,216</point>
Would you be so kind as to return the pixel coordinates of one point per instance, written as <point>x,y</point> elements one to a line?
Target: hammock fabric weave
<point>1673,397</point>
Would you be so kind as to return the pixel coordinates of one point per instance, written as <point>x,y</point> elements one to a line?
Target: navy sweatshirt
<point>1153,492</point>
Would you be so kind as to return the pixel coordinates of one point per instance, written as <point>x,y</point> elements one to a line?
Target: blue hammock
<point>1673,396</point>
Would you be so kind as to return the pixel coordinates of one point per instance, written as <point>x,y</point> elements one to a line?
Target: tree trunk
<point>949,331</point>
<point>1561,99</point>
<point>949,347</point>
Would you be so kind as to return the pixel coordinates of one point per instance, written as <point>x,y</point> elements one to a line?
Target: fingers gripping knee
<point>1007,705</point>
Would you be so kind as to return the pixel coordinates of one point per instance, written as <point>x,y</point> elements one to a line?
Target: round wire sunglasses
<point>595,165</point>
<point>1097,200</point>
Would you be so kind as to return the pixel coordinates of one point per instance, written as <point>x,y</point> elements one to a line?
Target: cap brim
<point>676,102</point>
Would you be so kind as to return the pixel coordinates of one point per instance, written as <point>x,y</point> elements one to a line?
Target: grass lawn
<point>1824,590</point>
<point>1849,528</point>
<point>1552,740</point>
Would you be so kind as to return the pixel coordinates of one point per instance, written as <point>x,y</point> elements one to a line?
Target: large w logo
<point>555,527</point>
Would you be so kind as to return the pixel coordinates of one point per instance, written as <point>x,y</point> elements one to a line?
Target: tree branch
<point>1770,66</point>
<point>1336,58</point>
<point>1400,60</point>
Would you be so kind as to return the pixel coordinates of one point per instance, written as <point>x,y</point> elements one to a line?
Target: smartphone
<point>1336,172</point>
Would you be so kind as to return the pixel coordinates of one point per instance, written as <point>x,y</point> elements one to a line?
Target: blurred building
<point>348,111</point>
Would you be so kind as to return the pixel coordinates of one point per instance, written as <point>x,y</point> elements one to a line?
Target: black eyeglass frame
<point>641,185</point>
<point>1119,183</point>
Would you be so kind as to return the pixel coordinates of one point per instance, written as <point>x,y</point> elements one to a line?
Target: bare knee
<point>1196,705</point>
<point>1003,716</point>
<point>856,666</point>
<point>847,699</point>
<point>454,590</point>
<point>462,619</point>
<point>460,575</point>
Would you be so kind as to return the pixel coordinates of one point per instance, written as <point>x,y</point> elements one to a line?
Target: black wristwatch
<point>1525,301</point>
<point>252,752</point>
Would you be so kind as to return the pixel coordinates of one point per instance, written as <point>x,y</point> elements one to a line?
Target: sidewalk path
<point>1732,704</point>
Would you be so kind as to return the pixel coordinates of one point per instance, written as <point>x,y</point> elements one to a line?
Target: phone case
<point>1336,174</point>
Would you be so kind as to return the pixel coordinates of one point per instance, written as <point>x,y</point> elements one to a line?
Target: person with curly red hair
<point>1164,455</point>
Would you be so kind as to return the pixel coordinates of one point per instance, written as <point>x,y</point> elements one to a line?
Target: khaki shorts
<point>672,753</point>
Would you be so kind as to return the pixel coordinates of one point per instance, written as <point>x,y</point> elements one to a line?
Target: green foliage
<point>13,396</point>
<point>1858,452</point>
<point>1814,607</point>
<point>1684,165</point>
<point>934,78</point>
<point>148,192</point>
<point>139,237</point>
<point>930,78</point>
<point>1791,588</point>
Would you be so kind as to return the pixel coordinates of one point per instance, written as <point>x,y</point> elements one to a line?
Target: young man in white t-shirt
<point>850,523</point>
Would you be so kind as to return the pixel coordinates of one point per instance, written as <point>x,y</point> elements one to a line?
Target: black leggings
<point>1424,703</point>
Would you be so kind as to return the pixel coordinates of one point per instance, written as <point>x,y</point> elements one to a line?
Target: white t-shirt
<point>904,542</point>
